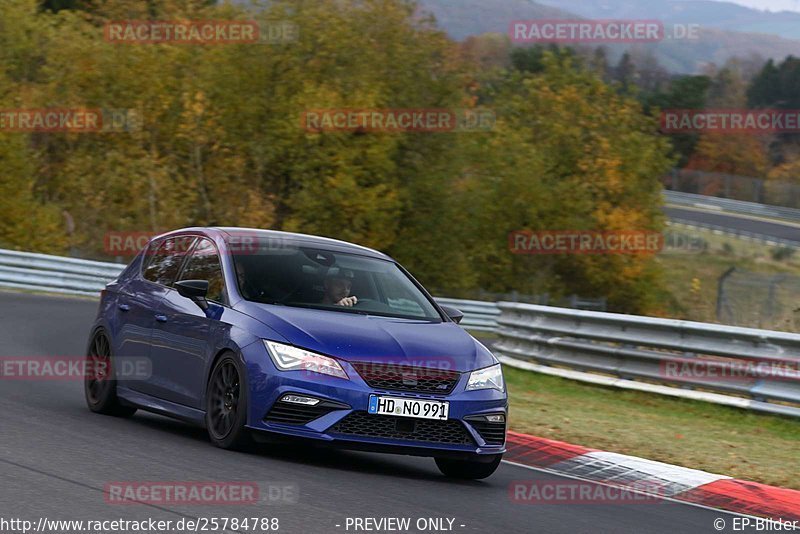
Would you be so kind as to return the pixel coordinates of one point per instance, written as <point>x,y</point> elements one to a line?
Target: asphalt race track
<point>743,224</point>
<point>56,457</point>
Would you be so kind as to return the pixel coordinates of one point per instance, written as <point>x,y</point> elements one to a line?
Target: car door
<point>182,336</point>
<point>135,305</point>
<point>138,305</point>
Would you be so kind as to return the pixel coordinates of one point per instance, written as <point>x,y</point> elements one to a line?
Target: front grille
<point>299,414</point>
<point>403,428</point>
<point>400,377</point>
<point>492,433</point>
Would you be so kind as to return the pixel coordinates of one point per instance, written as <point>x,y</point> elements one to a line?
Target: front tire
<point>226,406</point>
<point>99,384</point>
<point>468,469</point>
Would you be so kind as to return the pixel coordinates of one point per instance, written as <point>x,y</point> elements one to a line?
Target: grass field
<point>693,434</point>
<point>690,277</point>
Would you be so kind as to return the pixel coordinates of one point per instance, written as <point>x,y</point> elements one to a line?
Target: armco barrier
<point>31,271</point>
<point>613,349</point>
<point>478,315</point>
<point>43,272</point>
<point>760,365</point>
<point>740,234</point>
<point>732,206</point>
<point>27,270</point>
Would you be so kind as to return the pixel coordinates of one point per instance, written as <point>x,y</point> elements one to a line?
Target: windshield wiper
<point>344,309</point>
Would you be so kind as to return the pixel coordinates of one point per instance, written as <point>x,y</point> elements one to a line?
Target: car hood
<point>369,338</point>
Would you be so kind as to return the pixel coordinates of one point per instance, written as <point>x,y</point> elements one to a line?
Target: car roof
<point>288,238</point>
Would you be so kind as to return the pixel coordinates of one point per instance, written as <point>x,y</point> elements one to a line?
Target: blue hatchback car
<point>266,336</point>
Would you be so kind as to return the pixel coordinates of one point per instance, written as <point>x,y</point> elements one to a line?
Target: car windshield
<point>309,277</point>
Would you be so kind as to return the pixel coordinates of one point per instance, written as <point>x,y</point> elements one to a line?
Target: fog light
<point>300,399</point>
<point>496,418</point>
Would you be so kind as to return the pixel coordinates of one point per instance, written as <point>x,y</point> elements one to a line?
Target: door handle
<point>124,307</point>
<point>161,318</point>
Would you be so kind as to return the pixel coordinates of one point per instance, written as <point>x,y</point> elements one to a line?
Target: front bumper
<point>342,419</point>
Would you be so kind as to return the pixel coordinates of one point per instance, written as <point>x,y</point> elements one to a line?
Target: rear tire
<point>468,469</point>
<point>226,406</point>
<point>99,384</point>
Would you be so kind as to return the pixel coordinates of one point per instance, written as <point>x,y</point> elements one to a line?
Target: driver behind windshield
<point>337,285</point>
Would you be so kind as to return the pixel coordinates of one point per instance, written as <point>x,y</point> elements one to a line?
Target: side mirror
<point>453,313</point>
<point>194,290</point>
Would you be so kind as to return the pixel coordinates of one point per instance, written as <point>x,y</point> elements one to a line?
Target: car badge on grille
<point>410,379</point>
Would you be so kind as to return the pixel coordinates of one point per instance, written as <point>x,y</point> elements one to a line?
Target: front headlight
<point>289,358</point>
<point>486,378</point>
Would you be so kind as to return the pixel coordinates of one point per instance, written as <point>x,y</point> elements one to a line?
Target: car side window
<point>167,258</point>
<point>204,264</point>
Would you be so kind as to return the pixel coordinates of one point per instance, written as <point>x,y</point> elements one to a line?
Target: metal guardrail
<point>732,186</point>
<point>761,365</point>
<point>478,315</point>
<point>741,234</point>
<point>57,274</point>
<point>591,344</point>
<point>732,206</point>
<point>481,315</point>
<point>43,272</point>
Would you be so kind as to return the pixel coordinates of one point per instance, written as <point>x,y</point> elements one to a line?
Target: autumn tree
<point>218,140</point>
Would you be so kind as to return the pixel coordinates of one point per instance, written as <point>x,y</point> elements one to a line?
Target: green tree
<point>567,153</point>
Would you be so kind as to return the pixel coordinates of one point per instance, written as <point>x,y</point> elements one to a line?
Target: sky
<point>770,5</point>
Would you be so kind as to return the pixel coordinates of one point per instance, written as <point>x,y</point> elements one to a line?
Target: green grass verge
<point>689,433</point>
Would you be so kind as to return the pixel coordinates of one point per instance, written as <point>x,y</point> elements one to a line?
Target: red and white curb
<point>673,482</point>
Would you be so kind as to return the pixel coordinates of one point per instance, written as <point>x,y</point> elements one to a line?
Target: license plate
<point>403,407</point>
